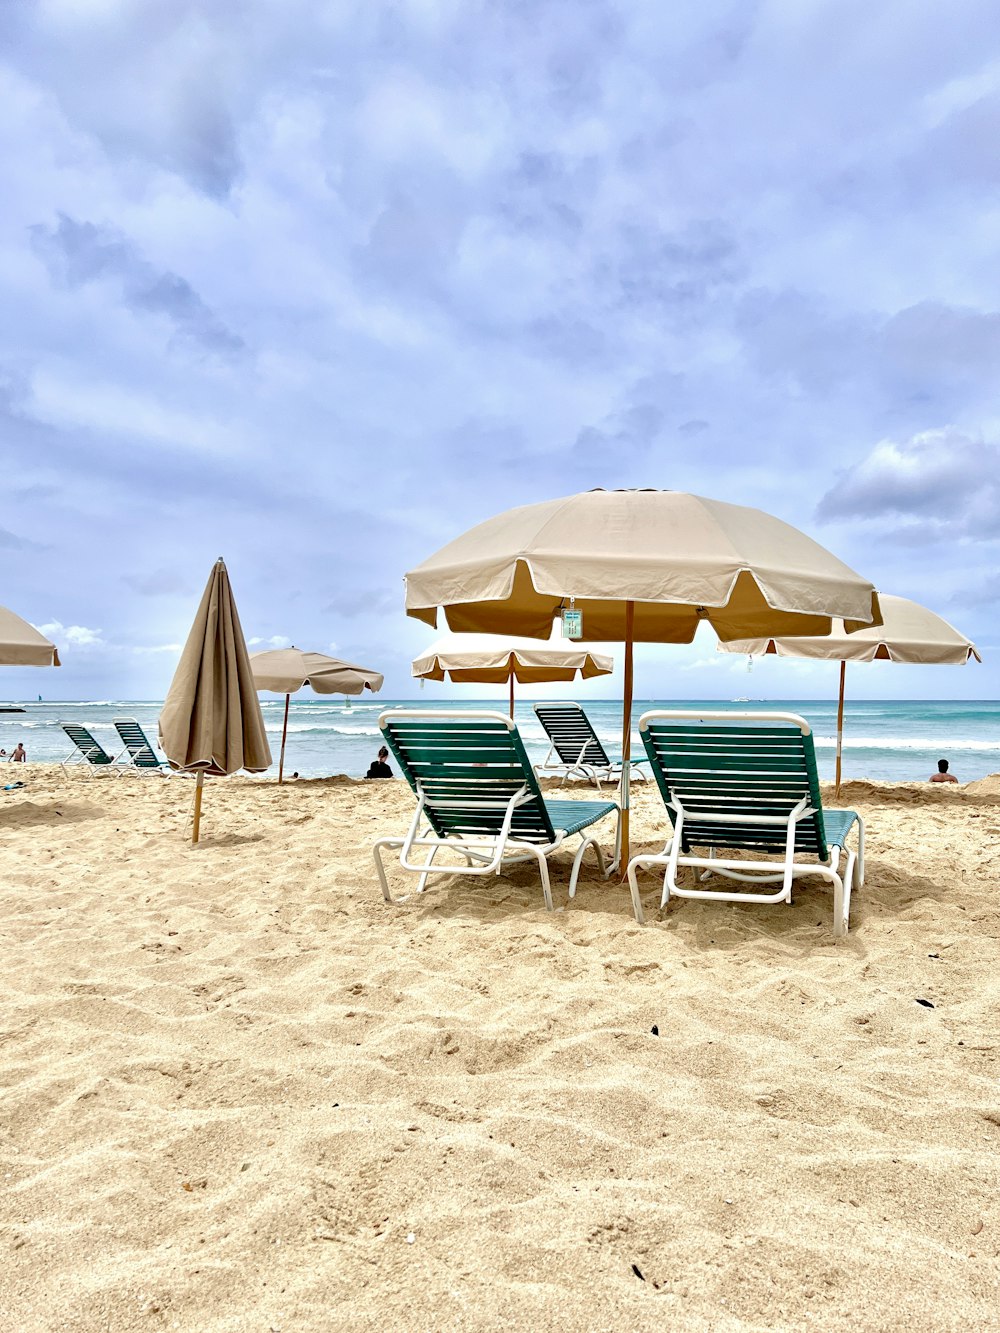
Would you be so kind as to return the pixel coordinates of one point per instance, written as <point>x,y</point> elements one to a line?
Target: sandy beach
<point>239,1092</point>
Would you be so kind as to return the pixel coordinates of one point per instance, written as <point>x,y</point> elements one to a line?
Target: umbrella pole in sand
<point>199,784</point>
<point>626,733</point>
<point>284,734</point>
<point>840,721</point>
<point>512,695</point>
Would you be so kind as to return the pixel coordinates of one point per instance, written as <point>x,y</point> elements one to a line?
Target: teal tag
<point>572,624</point>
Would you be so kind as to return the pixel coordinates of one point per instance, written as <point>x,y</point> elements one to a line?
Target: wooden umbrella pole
<point>627,733</point>
<point>840,722</point>
<point>512,696</point>
<point>284,734</point>
<point>197,805</point>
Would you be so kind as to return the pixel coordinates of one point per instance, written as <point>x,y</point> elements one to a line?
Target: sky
<point>317,287</point>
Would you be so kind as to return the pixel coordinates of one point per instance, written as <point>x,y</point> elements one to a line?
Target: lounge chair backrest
<point>569,729</point>
<point>92,750</point>
<point>134,739</point>
<point>742,764</point>
<point>467,766</point>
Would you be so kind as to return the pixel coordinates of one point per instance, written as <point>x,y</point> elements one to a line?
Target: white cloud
<point>275,641</point>
<point>77,635</point>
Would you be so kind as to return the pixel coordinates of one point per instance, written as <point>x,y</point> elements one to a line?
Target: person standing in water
<point>942,775</point>
<point>18,756</point>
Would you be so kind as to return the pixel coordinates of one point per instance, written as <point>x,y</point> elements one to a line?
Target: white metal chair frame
<point>756,871</point>
<point>484,855</point>
<point>81,755</point>
<point>128,756</point>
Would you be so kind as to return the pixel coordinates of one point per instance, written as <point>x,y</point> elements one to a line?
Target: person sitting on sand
<point>379,768</point>
<point>942,775</point>
<point>18,756</point>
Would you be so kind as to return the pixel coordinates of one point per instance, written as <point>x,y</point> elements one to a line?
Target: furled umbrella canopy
<point>211,720</point>
<point>641,566</point>
<point>287,670</point>
<point>22,645</point>
<point>909,633</point>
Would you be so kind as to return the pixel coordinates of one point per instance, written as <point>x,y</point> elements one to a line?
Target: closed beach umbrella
<point>211,720</point>
<point>909,633</point>
<point>22,645</point>
<point>490,659</point>
<point>287,670</point>
<point>640,566</point>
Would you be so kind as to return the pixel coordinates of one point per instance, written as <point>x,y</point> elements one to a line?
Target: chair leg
<point>578,861</point>
<point>543,870</point>
<point>377,853</point>
<point>633,886</point>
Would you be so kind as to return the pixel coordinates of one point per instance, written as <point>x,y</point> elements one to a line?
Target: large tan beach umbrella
<point>491,659</point>
<point>286,670</point>
<point>22,645</point>
<point>642,566</point>
<point>211,720</point>
<point>909,633</point>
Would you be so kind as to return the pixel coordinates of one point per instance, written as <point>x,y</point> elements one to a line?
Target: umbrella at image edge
<point>489,659</point>
<point>909,633</point>
<point>22,645</point>
<point>286,670</point>
<point>211,720</point>
<point>642,566</point>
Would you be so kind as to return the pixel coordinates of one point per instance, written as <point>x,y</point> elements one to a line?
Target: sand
<point>239,1092</point>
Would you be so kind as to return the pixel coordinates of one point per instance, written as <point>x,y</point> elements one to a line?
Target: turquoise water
<point>891,739</point>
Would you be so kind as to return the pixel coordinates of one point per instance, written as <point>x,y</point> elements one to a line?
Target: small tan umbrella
<point>211,720</point>
<point>490,659</point>
<point>909,633</point>
<point>286,670</point>
<point>22,645</point>
<point>641,566</point>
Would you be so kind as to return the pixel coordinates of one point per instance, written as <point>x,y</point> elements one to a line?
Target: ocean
<point>898,740</point>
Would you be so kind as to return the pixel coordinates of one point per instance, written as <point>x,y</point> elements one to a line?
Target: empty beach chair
<point>575,749</point>
<point>477,795</point>
<point>141,755</point>
<point>746,782</point>
<point>86,750</point>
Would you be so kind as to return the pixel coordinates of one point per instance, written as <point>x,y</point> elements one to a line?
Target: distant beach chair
<point>747,782</point>
<point>141,755</point>
<point>477,795</point>
<point>86,750</point>
<point>575,748</point>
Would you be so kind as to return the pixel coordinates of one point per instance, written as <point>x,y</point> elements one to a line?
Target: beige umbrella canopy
<point>909,633</point>
<point>646,566</point>
<point>286,670</point>
<point>22,645</point>
<point>491,659</point>
<point>211,720</point>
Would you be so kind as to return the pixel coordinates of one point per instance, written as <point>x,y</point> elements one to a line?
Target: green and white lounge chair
<point>747,782</point>
<point>86,750</point>
<point>575,749</point>
<point>141,755</point>
<point>477,795</point>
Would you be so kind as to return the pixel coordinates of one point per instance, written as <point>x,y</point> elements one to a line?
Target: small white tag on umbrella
<point>572,623</point>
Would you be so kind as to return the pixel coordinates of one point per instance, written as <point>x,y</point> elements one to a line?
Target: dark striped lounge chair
<point>746,782</point>
<point>86,750</point>
<point>477,796</point>
<point>142,758</point>
<point>575,749</point>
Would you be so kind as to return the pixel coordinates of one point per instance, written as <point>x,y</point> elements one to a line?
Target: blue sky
<point>317,287</point>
